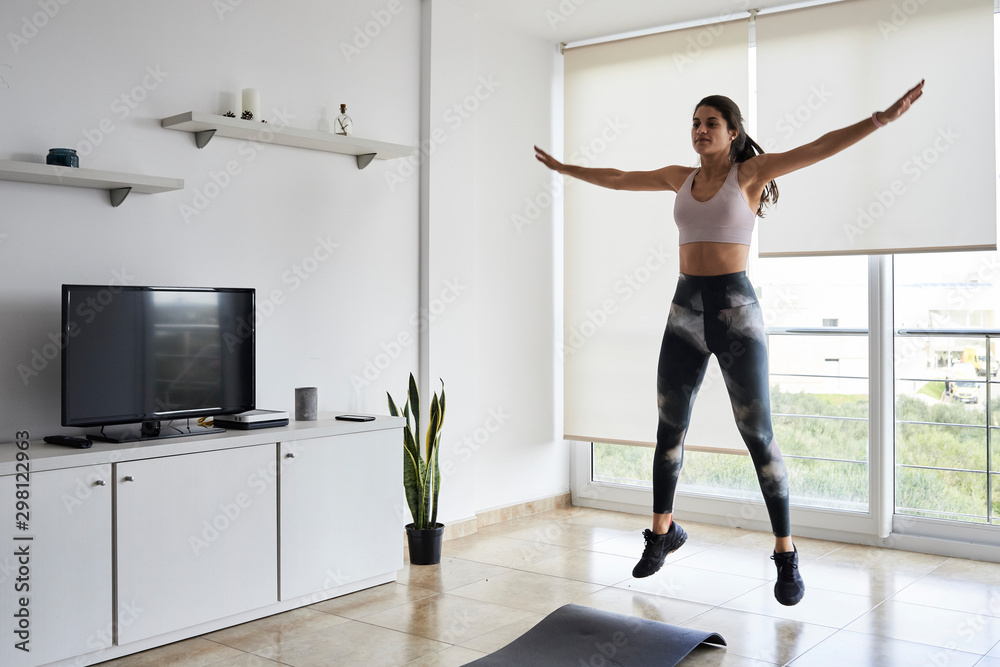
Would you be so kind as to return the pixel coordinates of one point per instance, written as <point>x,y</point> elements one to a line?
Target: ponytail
<point>743,148</point>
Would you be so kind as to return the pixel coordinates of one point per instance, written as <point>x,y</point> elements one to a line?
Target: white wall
<point>487,101</point>
<point>354,327</point>
<point>65,81</point>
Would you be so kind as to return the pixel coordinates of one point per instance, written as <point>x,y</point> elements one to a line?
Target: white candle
<point>251,102</point>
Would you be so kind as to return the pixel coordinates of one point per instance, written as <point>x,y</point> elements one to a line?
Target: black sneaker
<point>789,588</point>
<point>658,547</point>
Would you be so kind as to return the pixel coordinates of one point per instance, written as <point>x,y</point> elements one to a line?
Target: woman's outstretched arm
<point>667,178</point>
<point>769,166</point>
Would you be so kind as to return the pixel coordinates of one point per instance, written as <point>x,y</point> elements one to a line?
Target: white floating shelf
<point>206,125</point>
<point>118,184</point>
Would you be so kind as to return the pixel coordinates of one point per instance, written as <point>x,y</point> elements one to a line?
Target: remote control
<point>355,418</point>
<point>68,440</point>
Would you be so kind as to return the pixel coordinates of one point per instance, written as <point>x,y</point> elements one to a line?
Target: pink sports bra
<point>725,218</point>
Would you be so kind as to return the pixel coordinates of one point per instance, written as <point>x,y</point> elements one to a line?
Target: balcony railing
<point>987,338</point>
<point>852,455</point>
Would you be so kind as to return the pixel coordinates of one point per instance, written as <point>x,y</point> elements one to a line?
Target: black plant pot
<point>425,545</point>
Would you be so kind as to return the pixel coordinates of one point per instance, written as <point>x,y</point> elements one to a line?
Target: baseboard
<point>457,529</point>
<point>472,525</point>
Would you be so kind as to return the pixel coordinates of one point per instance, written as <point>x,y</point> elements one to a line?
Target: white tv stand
<point>131,546</point>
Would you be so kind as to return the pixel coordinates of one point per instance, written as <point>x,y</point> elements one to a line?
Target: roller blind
<point>927,182</point>
<point>628,104</point>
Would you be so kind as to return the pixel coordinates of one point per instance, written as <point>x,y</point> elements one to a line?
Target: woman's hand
<point>902,104</point>
<point>548,160</point>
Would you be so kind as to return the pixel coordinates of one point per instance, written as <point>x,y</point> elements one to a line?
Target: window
<point>947,311</point>
<point>819,375</point>
<point>894,417</point>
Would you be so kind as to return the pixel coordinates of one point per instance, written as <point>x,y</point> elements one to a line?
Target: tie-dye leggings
<point>717,315</point>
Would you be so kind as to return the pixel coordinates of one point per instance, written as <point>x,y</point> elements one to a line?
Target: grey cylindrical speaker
<point>305,404</point>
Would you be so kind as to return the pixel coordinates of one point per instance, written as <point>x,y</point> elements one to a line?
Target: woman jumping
<point>714,309</point>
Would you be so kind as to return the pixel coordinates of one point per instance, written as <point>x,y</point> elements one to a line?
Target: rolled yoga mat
<point>577,636</point>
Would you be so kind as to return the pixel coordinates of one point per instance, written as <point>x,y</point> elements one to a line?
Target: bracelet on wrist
<point>877,122</point>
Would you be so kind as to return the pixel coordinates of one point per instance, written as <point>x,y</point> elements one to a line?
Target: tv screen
<point>143,355</point>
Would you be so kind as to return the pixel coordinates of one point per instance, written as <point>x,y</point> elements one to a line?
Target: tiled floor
<point>863,606</point>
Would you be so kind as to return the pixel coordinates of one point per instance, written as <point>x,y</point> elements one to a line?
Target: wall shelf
<point>118,184</point>
<point>205,126</point>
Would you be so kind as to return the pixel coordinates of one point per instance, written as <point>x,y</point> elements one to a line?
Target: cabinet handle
<point>289,456</point>
<point>128,478</point>
<point>99,482</point>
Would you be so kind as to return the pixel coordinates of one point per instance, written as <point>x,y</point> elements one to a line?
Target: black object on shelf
<point>63,157</point>
<point>68,440</point>
<point>247,426</point>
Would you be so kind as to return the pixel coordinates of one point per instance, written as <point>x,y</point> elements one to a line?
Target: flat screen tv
<point>149,362</point>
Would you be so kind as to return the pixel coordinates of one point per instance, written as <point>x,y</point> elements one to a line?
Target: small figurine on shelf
<point>247,115</point>
<point>343,124</point>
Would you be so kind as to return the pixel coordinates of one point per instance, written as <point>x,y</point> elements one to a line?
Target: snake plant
<point>421,473</point>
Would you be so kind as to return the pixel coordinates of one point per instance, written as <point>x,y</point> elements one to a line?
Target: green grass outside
<point>959,443</point>
<point>933,389</point>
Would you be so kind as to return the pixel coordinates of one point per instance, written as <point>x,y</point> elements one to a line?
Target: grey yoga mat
<point>577,636</point>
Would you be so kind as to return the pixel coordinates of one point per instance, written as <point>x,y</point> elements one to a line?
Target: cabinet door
<point>341,510</point>
<point>58,562</point>
<point>196,538</point>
